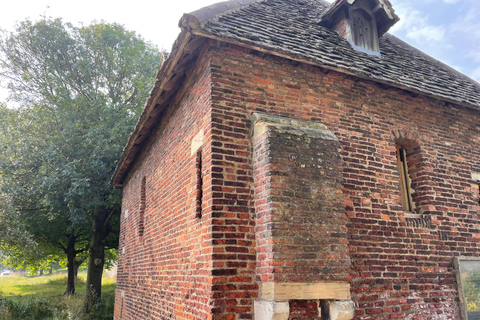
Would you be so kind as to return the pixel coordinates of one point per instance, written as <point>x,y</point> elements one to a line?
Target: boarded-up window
<point>364,33</point>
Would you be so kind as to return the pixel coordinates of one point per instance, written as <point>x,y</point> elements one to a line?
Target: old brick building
<point>295,161</point>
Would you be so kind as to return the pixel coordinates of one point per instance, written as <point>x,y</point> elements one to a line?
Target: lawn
<point>41,297</point>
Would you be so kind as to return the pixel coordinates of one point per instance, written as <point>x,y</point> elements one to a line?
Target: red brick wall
<point>233,220</point>
<point>165,273</point>
<point>402,267</point>
<point>304,310</point>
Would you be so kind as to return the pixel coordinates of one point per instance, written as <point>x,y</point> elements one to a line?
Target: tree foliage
<point>18,248</point>
<point>78,92</point>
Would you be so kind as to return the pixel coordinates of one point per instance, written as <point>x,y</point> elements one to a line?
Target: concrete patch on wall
<point>197,142</point>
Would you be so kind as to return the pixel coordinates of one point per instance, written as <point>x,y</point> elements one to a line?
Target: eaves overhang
<point>170,77</point>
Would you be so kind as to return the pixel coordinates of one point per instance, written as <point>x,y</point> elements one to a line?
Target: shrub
<point>30,309</point>
<point>56,309</point>
<point>101,311</point>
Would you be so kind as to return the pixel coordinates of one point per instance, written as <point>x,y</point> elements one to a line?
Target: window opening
<point>478,184</point>
<point>141,226</point>
<point>199,184</point>
<point>476,179</point>
<point>405,180</point>
<point>468,282</point>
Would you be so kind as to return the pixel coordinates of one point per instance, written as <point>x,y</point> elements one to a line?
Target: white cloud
<point>475,54</point>
<point>451,1</point>
<point>427,32</point>
<point>468,25</point>
<point>415,24</point>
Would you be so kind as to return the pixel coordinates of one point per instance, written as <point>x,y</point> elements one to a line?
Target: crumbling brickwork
<point>400,264</point>
<point>300,213</point>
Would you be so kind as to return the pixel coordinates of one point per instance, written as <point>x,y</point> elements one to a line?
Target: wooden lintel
<point>284,291</point>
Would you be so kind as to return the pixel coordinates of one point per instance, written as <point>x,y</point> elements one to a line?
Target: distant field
<point>41,297</point>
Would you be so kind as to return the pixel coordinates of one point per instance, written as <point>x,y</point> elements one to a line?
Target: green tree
<point>79,92</point>
<point>35,225</point>
<point>18,248</point>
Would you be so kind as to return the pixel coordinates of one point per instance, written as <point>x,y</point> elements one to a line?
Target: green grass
<point>36,298</point>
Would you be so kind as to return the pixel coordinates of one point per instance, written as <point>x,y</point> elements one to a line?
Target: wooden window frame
<point>461,282</point>
<point>405,180</point>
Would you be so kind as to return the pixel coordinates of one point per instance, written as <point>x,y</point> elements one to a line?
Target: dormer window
<point>363,28</point>
<point>360,22</point>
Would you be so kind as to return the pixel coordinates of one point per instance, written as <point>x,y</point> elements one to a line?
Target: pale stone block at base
<point>341,310</point>
<point>270,310</point>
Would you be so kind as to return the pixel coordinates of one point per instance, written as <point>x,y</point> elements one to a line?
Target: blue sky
<point>448,30</point>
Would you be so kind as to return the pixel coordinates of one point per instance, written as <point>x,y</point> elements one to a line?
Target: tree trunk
<point>71,257</point>
<point>96,258</point>
<point>41,272</point>
<point>76,266</point>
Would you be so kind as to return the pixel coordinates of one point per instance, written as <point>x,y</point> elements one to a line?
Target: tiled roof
<point>291,27</point>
